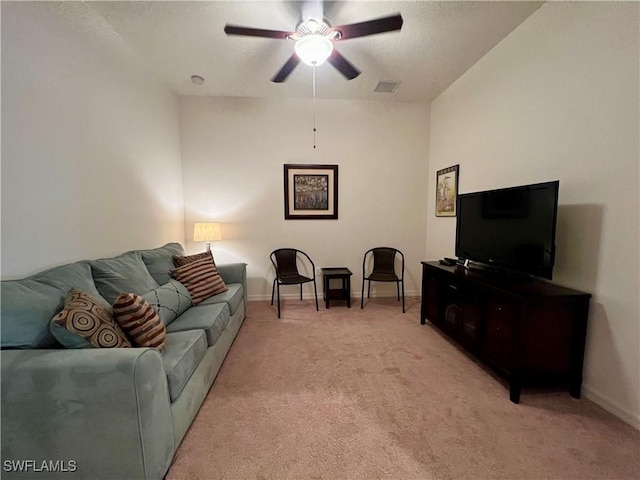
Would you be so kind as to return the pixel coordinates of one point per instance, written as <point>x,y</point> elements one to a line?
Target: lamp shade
<point>206,232</point>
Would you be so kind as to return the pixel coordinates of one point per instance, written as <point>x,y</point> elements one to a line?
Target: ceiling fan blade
<point>255,32</point>
<point>343,65</point>
<point>371,27</point>
<point>286,69</point>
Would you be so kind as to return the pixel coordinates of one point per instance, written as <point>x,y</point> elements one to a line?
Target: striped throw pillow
<point>181,260</point>
<point>201,278</point>
<point>139,321</point>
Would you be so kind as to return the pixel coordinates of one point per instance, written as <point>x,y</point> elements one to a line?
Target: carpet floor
<point>372,394</point>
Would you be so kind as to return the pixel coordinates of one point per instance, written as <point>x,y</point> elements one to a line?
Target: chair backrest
<point>285,261</point>
<point>384,260</point>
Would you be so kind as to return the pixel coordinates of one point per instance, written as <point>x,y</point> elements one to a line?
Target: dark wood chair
<point>384,270</point>
<point>285,261</point>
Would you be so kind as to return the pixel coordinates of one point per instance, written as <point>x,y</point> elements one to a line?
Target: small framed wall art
<point>447,191</point>
<point>310,192</point>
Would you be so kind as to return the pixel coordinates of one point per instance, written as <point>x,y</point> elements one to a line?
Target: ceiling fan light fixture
<point>313,49</point>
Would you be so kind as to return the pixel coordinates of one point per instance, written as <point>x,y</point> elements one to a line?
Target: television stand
<point>530,331</point>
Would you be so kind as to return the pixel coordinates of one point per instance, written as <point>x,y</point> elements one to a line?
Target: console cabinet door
<point>462,313</point>
<point>499,328</point>
<point>471,323</point>
<point>431,292</point>
<point>452,318</point>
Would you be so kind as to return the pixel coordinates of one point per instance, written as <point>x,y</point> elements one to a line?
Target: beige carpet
<point>366,394</point>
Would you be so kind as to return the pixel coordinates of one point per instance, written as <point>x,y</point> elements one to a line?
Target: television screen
<point>512,228</point>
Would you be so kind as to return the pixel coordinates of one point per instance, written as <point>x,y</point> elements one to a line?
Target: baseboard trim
<point>294,296</point>
<point>611,406</point>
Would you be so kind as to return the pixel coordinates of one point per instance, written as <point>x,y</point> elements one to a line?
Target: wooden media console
<point>529,330</point>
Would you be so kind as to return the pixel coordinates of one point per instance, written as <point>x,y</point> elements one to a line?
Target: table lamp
<point>206,232</point>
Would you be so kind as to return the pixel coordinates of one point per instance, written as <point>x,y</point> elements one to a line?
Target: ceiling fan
<point>314,41</point>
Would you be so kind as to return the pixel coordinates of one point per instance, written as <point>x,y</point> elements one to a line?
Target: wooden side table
<point>344,293</point>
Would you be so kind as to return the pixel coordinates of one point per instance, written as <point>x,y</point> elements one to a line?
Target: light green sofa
<point>117,413</point>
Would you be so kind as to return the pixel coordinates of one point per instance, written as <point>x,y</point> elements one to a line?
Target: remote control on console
<point>448,261</point>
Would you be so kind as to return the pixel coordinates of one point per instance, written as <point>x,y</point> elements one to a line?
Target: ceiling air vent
<point>386,87</point>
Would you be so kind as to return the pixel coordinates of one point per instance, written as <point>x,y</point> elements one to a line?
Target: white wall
<point>233,153</point>
<point>90,146</point>
<point>558,99</point>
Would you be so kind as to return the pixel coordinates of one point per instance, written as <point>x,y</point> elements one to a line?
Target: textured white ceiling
<point>438,42</point>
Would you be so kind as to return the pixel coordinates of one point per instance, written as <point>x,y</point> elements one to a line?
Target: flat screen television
<point>509,229</point>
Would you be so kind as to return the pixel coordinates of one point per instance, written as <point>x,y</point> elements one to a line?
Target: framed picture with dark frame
<point>310,192</point>
<point>447,191</point>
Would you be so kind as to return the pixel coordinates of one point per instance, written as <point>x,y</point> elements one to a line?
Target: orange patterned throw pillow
<point>86,323</point>
<point>140,321</point>
<point>201,278</point>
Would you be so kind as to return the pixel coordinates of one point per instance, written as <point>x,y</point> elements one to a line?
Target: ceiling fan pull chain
<point>314,105</point>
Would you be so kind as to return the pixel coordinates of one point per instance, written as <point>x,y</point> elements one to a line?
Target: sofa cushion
<point>201,278</point>
<point>28,305</point>
<point>125,273</point>
<point>169,300</point>
<point>139,321</point>
<point>74,275</point>
<point>233,296</point>
<point>183,352</point>
<point>26,309</point>
<point>159,261</point>
<point>84,322</point>
<point>213,319</point>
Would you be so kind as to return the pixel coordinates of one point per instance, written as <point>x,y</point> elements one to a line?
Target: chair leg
<point>278,287</point>
<point>369,290</point>
<point>402,296</point>
<point>315,292</point>
<point>362,296</point>
<point>273,289</point>
<point>398,289</point>
<point>300,291</point>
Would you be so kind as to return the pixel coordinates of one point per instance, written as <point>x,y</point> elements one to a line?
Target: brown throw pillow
<point>84,322</point>
<point>201,278</point>
<point>140,321</point>
<point>181,260</point>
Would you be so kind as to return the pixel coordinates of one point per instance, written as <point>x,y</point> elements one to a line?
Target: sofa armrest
<point>235,273</point>
<point>104,413</point>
